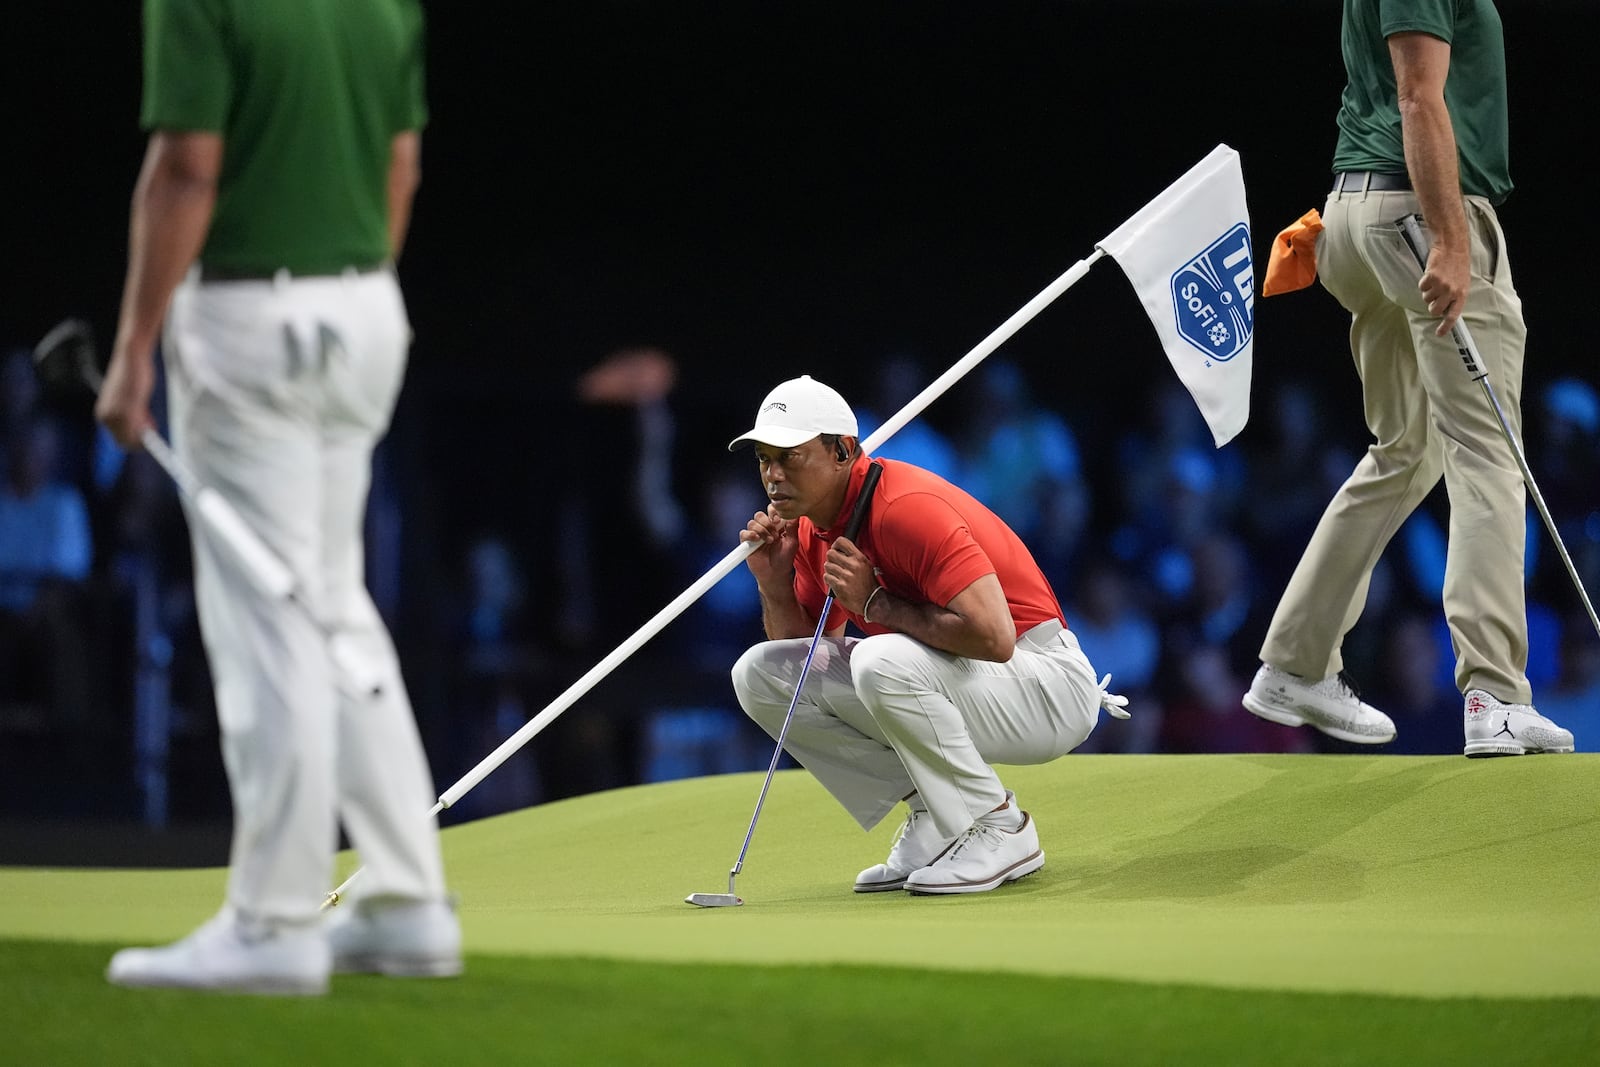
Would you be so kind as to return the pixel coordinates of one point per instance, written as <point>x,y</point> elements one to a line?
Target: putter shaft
<point>868,486</point>
<point>1416,239</point>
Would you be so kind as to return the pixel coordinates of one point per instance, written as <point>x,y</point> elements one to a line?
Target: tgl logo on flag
<point>1204,302</point>
<point>1214,296</point>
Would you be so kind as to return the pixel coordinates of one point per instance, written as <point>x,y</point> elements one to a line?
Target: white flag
<point>1187,254</point>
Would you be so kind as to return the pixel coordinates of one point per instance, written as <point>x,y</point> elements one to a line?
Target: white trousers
<point>883,716</point>
<point>278,392</point>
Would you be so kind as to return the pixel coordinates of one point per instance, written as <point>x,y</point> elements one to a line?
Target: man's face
<point>803,480</point>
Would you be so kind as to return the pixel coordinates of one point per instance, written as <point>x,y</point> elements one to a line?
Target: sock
<point>1008,817</point>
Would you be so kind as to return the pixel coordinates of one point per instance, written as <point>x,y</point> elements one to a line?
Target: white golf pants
<point>278,392</point>
<point>883,716</point>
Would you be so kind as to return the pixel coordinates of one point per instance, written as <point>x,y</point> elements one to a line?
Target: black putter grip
<point>858,514</point>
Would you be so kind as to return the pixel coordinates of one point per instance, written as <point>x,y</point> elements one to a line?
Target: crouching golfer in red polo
<point>967,659</point>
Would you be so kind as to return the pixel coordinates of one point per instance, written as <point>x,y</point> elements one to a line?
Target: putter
<point>1416,238</point>
<point>731,899</point>
<point>66,356</point>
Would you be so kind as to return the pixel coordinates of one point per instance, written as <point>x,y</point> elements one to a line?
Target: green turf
<point>1247,909</point>
<point>1422,876</point>
<point>56,1010</point>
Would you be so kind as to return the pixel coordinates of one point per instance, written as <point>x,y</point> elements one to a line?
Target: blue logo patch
<point>1214,296</point>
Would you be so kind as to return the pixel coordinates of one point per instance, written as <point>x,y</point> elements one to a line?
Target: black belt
<point>1356,181</point>
<point>212,273</point>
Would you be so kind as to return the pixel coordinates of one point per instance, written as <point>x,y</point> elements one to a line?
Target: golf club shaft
<point>263,567</point>
<point>1417,240</point>
<point>266,571</point>
<point>783,734</point>
<point>858,514</point>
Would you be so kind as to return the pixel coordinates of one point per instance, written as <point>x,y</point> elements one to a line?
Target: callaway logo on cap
<point>795,412</point>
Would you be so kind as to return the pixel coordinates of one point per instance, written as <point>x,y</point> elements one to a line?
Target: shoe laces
<point>987,833</point>
<point>905,828</point>
<point>1341,687</point>
<point>1115,704</point>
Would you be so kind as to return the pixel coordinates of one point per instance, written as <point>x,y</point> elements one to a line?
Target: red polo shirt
<point>929,540</point>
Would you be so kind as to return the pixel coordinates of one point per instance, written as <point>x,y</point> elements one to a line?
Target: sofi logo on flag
<point>1214,296</point>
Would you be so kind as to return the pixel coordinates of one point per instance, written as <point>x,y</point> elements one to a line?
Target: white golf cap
<point>795,412</point>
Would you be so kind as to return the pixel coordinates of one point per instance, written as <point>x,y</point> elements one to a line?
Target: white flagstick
<point>917,403</point>
<point>1001,334</point>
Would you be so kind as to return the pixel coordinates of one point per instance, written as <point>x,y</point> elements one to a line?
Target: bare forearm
<point>1430,147</point>
<point>168,221</point>
<point>405,175</point>
<point>782,616</point>
<point>170,215</point>
<point>1421,67</point>
<point>940,628</point>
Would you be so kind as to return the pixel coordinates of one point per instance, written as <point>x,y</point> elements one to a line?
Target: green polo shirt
<point>308,96</point>
<point>1474,90</point>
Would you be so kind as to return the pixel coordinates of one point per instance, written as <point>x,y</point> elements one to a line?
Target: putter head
<point>713,900</point>
<point>66,355</point>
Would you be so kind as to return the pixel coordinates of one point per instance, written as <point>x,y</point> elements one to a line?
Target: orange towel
<point>1293,262</point>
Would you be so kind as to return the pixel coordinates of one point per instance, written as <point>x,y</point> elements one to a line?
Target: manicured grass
<point>56,1009</point>
<point>1194,910</point>
<point>1385,874</point>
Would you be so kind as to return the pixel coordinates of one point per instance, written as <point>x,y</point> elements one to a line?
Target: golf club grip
<point>1416,239</point>
<point>858,514</point>
<point>1410,227</point>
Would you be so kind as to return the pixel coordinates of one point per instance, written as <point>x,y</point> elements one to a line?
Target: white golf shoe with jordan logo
<point>1495,728</point>
<point>1331,705</point>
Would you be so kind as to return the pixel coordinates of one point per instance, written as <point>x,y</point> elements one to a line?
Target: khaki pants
<point>1429,418</point>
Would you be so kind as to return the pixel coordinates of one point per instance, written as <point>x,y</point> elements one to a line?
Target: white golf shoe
<point>401,939</point>
<point>916,845</point>
<point>232,954</point>
<point>1330,705</point>
<point>985,857</point>
<point>1495,728</point>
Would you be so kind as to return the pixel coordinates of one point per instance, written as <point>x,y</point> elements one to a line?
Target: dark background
<point>772,189</point>
<point>765,190</point>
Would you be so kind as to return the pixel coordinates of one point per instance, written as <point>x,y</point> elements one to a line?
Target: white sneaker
<point>985,857</point>
<point>917,844</point>
<point>232,954</point>
<point>402,939</point>
<point>1495,728</point>
<point>1330,705</point>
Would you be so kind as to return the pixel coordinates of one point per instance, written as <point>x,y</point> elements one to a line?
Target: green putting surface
<point>1386,875</point>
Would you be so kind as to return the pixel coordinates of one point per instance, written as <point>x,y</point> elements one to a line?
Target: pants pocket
<point>1395,268</point>
<point>1488,250</point>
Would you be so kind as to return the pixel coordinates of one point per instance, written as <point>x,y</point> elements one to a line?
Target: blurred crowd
<point>1167,554</point>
